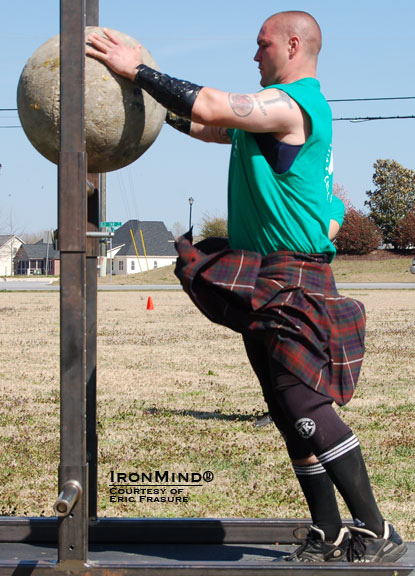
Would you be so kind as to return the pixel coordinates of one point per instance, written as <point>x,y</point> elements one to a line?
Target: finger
<point>111,36</point>
<point>95,53</point>
<point>100,41</point>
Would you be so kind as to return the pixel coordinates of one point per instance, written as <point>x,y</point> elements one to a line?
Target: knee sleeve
<point>259,359</point>
<point>310,413</point>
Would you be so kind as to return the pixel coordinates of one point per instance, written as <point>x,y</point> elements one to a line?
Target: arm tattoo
<point>241,104</point>
<point>282,96</point>
<point>260,105</point>
<point>223,136</point>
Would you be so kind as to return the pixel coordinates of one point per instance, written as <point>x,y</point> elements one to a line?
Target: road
<point>45,285</point>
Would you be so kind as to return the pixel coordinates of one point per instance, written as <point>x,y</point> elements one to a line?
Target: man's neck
<point>293,74</point>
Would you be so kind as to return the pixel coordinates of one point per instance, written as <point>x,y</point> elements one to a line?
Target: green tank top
<point>267,211</point>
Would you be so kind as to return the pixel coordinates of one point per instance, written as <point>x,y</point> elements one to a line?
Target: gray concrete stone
<point>121,120</point>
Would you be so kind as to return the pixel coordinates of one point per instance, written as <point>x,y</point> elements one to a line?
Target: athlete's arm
<point>271,110</point>
<point>215,134</point>
<point>333,229</point>
<point>337,210</point>
<point>198,131</point>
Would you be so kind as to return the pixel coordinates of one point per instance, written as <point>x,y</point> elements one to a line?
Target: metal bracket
<point>100,234</point>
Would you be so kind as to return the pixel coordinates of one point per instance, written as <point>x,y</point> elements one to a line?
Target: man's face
<point>271,55</point>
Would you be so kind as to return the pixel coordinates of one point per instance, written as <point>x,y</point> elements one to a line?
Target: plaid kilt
<point>289,297</point>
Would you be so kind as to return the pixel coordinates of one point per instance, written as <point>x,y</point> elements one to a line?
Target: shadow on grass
<point>201,415</point>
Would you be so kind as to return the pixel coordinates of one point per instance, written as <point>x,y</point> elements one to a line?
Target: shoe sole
<point>395,554</point>
<point>392,556</point>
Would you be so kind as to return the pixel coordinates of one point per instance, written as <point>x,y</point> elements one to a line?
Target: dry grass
<point>176,393</point>
<point>373,268</point>
<point>380,266</point>
<point>163,275</point>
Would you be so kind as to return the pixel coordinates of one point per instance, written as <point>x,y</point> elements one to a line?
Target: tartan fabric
<point>288,297</point>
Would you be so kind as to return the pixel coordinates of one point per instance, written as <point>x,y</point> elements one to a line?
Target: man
<point>273,283</point>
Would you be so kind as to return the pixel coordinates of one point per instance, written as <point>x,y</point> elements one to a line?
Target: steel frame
<point>72,218</point>
<point>79,213</point>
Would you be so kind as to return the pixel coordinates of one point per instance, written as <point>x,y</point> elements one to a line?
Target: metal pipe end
<point>69,496</point>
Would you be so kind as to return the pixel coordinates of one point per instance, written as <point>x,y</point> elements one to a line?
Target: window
<point>22,266</point>
<point>120,265</point>
<point>155,264</point>
<point>132,265</point>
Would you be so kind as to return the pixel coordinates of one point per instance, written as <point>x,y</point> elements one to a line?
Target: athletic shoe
<point>316,549</point>
<point>366,546</point>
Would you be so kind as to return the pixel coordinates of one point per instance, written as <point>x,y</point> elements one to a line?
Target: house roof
<point>158,241</point>
<point>4,238</point>
<point>37,251</point>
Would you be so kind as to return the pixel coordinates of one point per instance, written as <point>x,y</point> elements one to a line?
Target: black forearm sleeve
<point>178,122</point>
<point>175,95</point>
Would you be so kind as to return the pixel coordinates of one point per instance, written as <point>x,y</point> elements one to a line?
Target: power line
<point>376,99</point>
<point>373,99</point>
<point>368,118</point>
<point>347,119</point>
<point>350,119</point>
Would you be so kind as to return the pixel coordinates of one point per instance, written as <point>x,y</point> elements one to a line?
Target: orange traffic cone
<point>150,305</point>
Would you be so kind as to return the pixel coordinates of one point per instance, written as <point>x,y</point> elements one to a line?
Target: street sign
<point>109,224</point>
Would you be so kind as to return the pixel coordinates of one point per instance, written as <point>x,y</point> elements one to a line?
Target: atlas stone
<point>121,120</point>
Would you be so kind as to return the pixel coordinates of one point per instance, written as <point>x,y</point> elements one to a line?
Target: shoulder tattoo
<point>241,104</point>
<point>281,97</point>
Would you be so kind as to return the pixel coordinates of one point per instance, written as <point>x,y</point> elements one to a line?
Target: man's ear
<point>293,45</point>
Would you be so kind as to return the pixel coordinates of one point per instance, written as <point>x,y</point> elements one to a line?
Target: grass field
<point>175,393</point>
<point>381,266</point>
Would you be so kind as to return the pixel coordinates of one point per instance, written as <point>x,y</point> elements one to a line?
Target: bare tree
<point>178,229</point>
<point>34,237</point>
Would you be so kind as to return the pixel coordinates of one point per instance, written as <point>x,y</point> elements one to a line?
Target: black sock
<point>319,492</point>
<point>345,465</point>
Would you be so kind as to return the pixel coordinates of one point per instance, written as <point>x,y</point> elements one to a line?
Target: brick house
<point>39,258</point>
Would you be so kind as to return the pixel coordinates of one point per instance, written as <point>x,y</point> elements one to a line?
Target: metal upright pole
<point>93,252</point>
<point>92,12</point>
<point>72,504</point>
<point>103,203</point>
<point>91,346</point>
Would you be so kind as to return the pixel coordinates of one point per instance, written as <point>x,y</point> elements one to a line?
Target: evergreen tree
<point>392,198</point>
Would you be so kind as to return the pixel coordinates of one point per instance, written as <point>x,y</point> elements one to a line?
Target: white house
<point>138,246</point>
<point>9,245</point>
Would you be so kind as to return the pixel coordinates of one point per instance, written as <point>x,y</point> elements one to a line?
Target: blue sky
<point>368,52</point>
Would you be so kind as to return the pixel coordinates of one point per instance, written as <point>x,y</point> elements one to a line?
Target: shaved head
<point>301,24</point>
